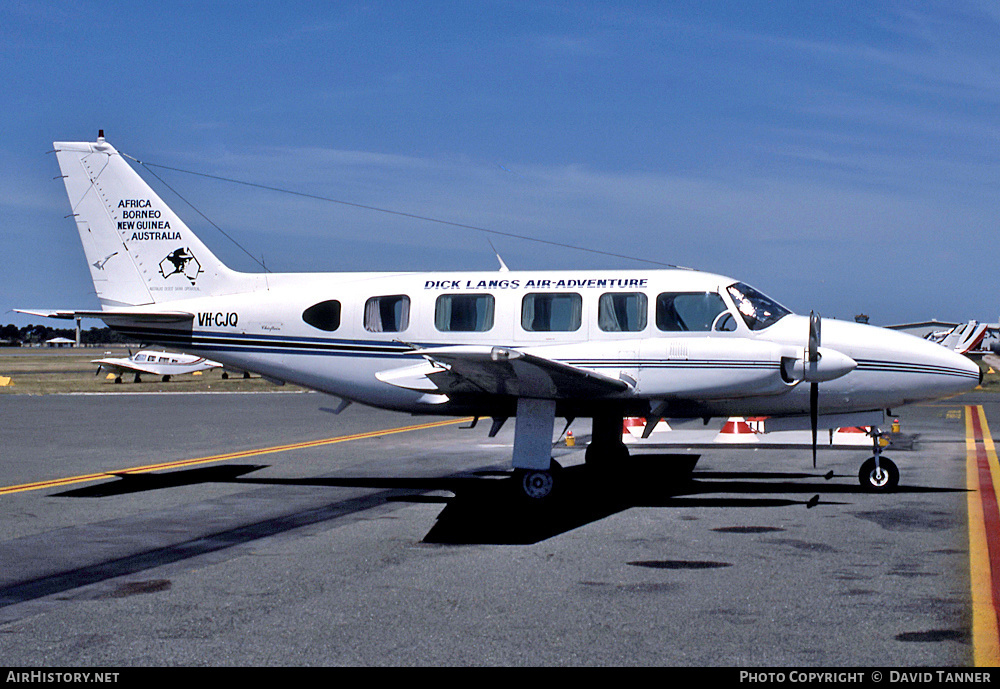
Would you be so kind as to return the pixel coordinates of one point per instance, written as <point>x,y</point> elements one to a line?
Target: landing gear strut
<point>878,473</point>
<point>606,446</point>
<point>533,465</point>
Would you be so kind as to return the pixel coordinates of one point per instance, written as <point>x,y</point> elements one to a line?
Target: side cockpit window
<point>689,311</point>
<point>324,315</point>
<point>389,314</point>
<point>757,310</point>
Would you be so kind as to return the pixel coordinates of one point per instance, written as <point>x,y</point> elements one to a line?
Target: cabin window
<point>559,312</point>
<point>387,314</point>
<point>140,357</point>
<point>688,312</point>
<point>324,315</point>
<point>626,312</point>
<point>464,312</point>
<point>759,311</point>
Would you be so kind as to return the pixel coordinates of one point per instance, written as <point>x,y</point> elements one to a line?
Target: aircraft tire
<point>536,485</point>
<point>887,481</point>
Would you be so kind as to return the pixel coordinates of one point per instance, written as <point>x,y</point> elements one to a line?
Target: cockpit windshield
<point>758,310</point>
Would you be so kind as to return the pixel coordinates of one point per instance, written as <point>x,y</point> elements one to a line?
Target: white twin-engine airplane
<point>155,363</point>
<point>530,345</point>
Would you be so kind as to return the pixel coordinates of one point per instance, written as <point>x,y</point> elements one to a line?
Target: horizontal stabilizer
<point>122,317</point>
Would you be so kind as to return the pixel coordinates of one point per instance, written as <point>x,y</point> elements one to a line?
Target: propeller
<point>815,364</point>
<point>813,358</point>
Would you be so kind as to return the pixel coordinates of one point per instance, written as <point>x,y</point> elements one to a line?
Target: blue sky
<point>842,157</point>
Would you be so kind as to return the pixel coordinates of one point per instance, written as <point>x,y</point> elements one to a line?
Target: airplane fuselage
<point>714,366</point>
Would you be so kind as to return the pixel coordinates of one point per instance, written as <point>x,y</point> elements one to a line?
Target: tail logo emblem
<point>100,264</point>
<point>180,261</point>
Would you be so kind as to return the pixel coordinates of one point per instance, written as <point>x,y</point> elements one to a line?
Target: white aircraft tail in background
<point>964,339</point>
<point>605,344</point>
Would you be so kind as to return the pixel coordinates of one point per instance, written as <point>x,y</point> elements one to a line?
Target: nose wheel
<point>878,473</point>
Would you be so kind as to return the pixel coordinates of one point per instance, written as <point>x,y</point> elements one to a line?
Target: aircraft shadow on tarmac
<point>487,508</point>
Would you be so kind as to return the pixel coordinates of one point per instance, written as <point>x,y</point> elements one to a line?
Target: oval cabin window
<point>324,315</point>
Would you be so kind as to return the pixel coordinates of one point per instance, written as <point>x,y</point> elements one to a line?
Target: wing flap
<point>500,371</point>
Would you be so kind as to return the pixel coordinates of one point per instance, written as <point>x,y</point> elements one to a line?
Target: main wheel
<point>882,479</point>
<point>537,485</point>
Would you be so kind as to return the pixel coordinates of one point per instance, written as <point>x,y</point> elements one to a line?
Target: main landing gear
<point>536,474</point>
<point>534,468</point>
<point>537,485</point>
<point>606,447</point>
<point>878,473</point>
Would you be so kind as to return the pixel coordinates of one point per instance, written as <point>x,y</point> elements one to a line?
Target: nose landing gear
<point>878,473</point>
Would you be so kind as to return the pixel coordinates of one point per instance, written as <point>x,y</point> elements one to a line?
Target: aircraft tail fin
<point>139,251</point>
<point>965,338</point>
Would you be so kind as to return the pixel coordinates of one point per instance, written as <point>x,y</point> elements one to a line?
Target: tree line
<point>14,336</point>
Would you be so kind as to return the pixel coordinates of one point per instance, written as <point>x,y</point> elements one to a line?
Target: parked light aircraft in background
<point>529,345</point>
<point>156,363</point>
<point>964,339</point>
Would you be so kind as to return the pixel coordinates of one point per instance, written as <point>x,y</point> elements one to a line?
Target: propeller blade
<point>814,415</point>
<point>814,339</point>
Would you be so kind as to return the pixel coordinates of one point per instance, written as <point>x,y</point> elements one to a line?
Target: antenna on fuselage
<point>503,266</point>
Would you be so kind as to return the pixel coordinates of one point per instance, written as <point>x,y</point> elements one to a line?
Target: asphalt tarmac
<point>263,529</point>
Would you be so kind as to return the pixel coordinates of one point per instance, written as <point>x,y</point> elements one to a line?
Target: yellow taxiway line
<point>983,482</point>
<point>38,485</point>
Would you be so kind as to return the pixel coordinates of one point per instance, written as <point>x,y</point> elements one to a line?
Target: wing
<point>500,371</point>
<point>122,366</point>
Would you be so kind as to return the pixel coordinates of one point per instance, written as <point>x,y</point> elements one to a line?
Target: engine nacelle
<point>830,364</point>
